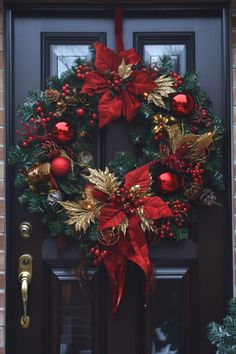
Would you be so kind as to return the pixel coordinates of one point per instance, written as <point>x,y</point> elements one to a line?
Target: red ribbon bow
<point>131,246</point>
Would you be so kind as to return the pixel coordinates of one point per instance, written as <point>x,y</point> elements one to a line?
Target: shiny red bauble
<point>60,166</point>
<point>63,132</point>
<point>168,182</point>
<point>80,112</point>
<point>182,103</point>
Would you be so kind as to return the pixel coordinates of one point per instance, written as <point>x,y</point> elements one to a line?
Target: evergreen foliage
<point>223,336</point>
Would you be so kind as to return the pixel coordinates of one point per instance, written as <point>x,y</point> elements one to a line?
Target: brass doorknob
<point>25,276</point>
<point>25,230</point>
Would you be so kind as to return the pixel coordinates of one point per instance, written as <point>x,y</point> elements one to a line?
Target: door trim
<point>13,10</point>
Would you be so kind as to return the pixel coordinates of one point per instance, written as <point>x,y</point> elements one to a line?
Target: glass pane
<point>62,57</point>
<point>166,318</point>
<point>76,323</point>
<point>177,53</point>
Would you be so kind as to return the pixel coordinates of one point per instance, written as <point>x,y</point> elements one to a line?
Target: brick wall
<point>2,242</point>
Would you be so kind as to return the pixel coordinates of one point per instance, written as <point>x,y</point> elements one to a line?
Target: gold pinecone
<point>60,108</point>
<point>52,95</point>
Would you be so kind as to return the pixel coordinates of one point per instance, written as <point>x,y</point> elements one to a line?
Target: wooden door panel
<point>66,321</point>
<point>76,321</point>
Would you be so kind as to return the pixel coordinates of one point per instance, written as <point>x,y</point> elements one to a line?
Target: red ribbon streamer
<point>132,247</point>
<point>119,29</point>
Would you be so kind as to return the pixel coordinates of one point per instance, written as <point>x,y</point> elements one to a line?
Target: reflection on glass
<point>177,53</point>
<point>76,325</point>
<point>62,57</point>
<point>166,318</point>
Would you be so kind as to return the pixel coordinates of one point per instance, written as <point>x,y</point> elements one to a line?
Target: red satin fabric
<point>119,29</point>
<point>131,247</point>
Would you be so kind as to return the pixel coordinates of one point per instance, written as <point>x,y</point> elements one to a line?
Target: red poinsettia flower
<point>128,204</point>
<point>118,83</point>
<point>115,212</point>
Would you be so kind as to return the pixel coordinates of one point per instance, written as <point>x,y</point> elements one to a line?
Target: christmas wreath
<point>117,213</point>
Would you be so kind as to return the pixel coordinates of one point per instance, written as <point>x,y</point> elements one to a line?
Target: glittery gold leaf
<point>174,132</point>
<point>146,224</point>
<point>104,180</point>
<point>123,226</point>
<point>81,213</point>
<point>163,89</point>
<point>124,70</point>
<point>196,143</point>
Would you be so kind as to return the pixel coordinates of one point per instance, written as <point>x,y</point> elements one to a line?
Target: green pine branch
<point>223,336</point>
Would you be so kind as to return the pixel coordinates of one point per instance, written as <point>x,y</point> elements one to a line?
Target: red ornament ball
<point>182,103</point>
<point>80,112</point>
<point>63,132</point>
<point>60,166</point>
<point>168,182</point>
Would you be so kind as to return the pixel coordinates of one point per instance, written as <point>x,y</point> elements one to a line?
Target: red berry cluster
<point>80,112</point>
<point>127,201</point>
<point>98,255</point>
<point>201,119</point>
<point>82,71</point>
<point>164,230</point>
<point>93,118</point>
<point>196,173</point>
<point>180,210</point>
<point>182,150</point>
<point>114,81</point>
<point>159,136</point>
<point>178,79</point>
<point>175,161</point>
<point>66,90</point>
<point>35,128</point>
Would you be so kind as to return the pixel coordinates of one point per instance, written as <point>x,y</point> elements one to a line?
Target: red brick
<point>2,242</point>
<point>2,207</point>
<point>1,117</point>
<point>1,61</point>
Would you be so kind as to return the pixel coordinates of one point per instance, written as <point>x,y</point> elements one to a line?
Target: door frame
<point>28,9</point>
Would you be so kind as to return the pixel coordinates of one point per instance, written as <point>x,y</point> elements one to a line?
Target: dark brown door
<point>192,277</point>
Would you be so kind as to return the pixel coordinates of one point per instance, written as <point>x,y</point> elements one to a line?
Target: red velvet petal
<point>139,176</point>
<point>140,83</point>
<point>131,105</point>
<point>155,208</point>
<point>94,83</point>
<point>99,195</point>
<point>109,108</point>
<point>111,216</point>
<point>106,59</point>
<point>130,56</point>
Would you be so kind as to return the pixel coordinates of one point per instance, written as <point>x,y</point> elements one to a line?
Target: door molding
<point>12,10</point>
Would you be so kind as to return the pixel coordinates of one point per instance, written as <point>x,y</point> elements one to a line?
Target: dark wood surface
<point>192,278</point>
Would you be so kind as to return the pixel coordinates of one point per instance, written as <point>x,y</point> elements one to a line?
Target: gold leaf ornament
<point>196,143</point>
<point>103,180</point>
<point>124,70</point>
<point>163,89</point>
<point>81,213</point>
<point>146,224</point>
